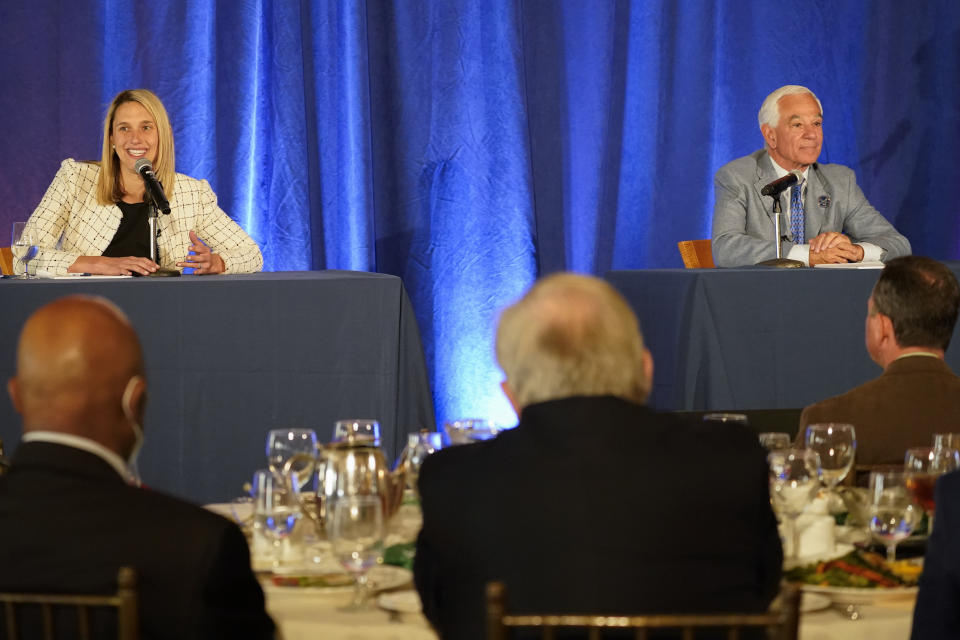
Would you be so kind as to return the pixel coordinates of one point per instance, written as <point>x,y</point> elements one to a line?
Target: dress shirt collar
<point>925,354</point>
<point>85,444</point>
<point>780,171</point>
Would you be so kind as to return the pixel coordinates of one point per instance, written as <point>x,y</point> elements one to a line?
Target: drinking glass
<point>836,444</point>
<point>467,430</point>
<point>23,245</point>
<point>739,418</point>
<point>357,429</point>
<point>946,441</point>
<point>276,509</point>
<point>793,482</point>
<point>892,513</point>
<point>419,446</point>
<point>356,532</point>
<point>923,465</point>
<point>775,440</point>
<point>284,444</point>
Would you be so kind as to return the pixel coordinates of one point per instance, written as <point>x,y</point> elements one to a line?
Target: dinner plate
<point>409,601</point>
<point>814,602</point>
<point>855,595</point>
<point>380,578</point>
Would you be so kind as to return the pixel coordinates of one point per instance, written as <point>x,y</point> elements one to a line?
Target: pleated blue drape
<point>469,146</point>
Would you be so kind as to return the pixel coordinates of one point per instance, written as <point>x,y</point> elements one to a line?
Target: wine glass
<point>468,430</point>
<point>775,440</point>
<point>356,532</point>
<point>300,444</point>
<point>419,446</point>
<point>357,429</point>
<point>923,465</point>
<point>23,245</point>
<point>276,509</point>
<point>836,444</point>
<point>793,482</point>
<point>946,441</point>
<point>892,513</point>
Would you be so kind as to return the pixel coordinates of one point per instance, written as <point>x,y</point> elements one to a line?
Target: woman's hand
<point>204,262</point>
<point>104,266</point>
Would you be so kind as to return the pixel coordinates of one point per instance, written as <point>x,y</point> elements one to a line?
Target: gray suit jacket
<point>743,226</point>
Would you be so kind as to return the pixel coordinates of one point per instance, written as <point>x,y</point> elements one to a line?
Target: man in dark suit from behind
<point>936,615</point>
<point>69,517</point>
<point>594,502</point>
<point>910,318</point>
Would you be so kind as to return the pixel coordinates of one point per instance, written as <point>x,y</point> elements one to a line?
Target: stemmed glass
<point>946,441</point>
<point>356,532</point>
<point>836,444</point>
<point>893,516</point>
<point>793,482</point>
<point>923,465</point>
<point>357,429</point>
<point>419,446</point>
<point>775,440</point>
<point>284,444</point>
<point>276,509</point>
<point>23,245</point>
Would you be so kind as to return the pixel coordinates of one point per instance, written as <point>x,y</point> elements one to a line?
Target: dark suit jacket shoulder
<point>597,504</point>
<point>904,407</point>
<point>936,615</point>
<point>193,567</point>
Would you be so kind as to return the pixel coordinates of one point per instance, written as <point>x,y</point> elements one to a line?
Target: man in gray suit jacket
<point>826,218</point>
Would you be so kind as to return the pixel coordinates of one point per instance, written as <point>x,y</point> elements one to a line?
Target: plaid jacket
<point>69,223</point>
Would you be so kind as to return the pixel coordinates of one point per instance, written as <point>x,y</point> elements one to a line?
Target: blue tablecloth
<point>754,338</point>
<point>230,357</point>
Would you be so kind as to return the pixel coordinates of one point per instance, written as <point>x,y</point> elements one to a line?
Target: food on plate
<point>316,580</point>
<point>861,569</point>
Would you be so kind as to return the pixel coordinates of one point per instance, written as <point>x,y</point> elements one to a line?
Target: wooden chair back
<point>16,607</point>
<point>6,261</point>
<point>781,621</point>
<point>696,254</point>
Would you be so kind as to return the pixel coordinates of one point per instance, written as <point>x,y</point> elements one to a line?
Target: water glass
<point>775,440</point>
<point>23,245</point>
<point>357,430</point>
<point>794,479</point>
<point>946,441</point>
<point>293,452</point>
<point>356,531</point>
<point>419,446</point>
<point>892,513</point>
<point>276,510</point>
<point>836,444</point>
<point>467,430</point>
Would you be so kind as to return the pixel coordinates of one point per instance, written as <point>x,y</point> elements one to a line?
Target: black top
<point>133,235</point>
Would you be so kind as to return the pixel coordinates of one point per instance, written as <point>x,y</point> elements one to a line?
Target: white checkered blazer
<point>69,223</point>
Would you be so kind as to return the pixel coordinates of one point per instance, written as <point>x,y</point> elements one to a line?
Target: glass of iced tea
<point>923,465</point>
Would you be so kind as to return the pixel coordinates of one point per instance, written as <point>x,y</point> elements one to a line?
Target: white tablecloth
<point>890,621</point>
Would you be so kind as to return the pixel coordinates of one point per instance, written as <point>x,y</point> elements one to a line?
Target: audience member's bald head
<point>572,335</point>
<point>75,360</point>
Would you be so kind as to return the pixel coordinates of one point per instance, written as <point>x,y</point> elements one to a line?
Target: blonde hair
<point>108,184</point>
<point>571,335</point>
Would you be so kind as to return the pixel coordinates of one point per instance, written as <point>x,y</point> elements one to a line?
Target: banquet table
<point>230,357</point>
<point>755,337</point>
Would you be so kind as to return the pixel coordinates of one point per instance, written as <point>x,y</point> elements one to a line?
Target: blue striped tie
<point>796,214</point>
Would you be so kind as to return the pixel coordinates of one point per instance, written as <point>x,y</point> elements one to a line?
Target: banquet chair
<point>6,261</point>
<point>19,612</point>
<point>781,621</point>
<point>696,254</point>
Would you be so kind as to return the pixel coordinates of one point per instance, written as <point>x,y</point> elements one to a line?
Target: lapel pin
<point>824,201</point>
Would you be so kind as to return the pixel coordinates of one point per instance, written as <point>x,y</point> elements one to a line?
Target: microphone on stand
<point>772,189</point>
<point>145,168</point>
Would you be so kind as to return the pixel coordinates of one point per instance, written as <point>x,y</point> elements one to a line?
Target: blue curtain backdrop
<point>469,146</point>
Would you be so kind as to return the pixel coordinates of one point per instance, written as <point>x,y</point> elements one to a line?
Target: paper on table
<point>876,264</point>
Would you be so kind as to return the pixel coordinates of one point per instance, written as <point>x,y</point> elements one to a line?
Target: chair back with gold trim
<point>19,608</point>
<point>781,621</point>
<point>696,254</point>
<point>6,261</point>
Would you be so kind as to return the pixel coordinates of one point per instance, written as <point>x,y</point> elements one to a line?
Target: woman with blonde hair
<point>93,217</point>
